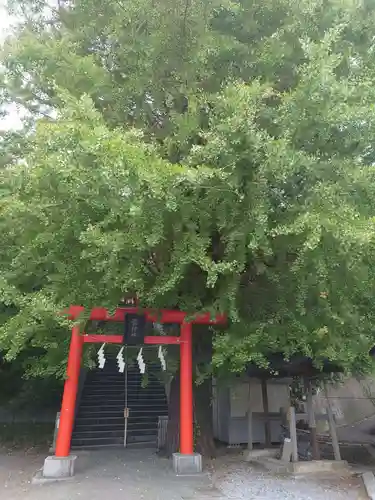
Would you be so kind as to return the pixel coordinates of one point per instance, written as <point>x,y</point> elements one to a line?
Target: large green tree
<point>201,154</point>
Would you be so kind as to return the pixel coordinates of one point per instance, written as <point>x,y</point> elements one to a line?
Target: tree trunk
<point>267,422</point>
<point>205,443</point>
<point>204,439</point>
<point>202,358</point>
<point>311,420</point>
<point>172,441</point>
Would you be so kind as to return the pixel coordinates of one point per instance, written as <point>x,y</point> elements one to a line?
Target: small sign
<point>135,327</point>
<point>126,412</point>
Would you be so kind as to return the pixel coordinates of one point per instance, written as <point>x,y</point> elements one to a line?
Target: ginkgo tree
<point>202,155</point>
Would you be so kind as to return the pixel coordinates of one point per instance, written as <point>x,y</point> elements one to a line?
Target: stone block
<point>287,452</point>
<point>330,467</point>
<point>186,465</point>
<point>369,482</point>
<point>274,465</point>
<point>252,455</point>
<point>320,466</point>
<point>59,467</point>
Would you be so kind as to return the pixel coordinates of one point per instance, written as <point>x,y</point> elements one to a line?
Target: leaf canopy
<point>201,154</point>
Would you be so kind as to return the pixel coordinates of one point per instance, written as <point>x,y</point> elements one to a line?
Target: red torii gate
<point>186,376</point>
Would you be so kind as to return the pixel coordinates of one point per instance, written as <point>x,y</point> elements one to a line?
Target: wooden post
<point>293,433</point>
<point>332,426</point>
<point>249,422</point>
<point>311,420</point>
<point>267,423</point>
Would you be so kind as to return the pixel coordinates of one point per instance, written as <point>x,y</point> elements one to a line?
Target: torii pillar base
<point>187,465</point>
<point>58,468</point>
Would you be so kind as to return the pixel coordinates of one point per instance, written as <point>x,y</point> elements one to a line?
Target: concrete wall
<point>232,402</point>
<point>351,401</point>
<point>221,412</point>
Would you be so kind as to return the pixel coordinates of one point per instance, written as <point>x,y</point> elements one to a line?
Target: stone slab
<point>274,465</point>
<point>38,478</point>
<point>319,466</point>
<point>312,467</point>
<point>369,482</point>
<point>186,465</point>
<point>250,455</point>
<point>58,467</point>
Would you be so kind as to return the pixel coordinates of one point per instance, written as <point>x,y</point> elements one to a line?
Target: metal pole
<point>67,414</point>
<point>186,390</point>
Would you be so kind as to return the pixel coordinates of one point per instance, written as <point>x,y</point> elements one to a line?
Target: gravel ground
<point>140,475</point>
<point>244,481</point>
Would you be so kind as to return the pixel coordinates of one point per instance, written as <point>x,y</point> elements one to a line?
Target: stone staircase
<point>100,418</point>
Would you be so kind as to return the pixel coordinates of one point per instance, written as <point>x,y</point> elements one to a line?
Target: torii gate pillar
<point>186,462</point>
<point>61,466</point>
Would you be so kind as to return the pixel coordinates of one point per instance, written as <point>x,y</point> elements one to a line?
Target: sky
<point>13,119</point>
<point>4,20</point>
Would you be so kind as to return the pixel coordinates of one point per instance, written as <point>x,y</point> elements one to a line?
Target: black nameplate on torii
<point>134,329</point>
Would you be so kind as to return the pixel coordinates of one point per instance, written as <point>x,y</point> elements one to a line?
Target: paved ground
<point>139,475</point>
